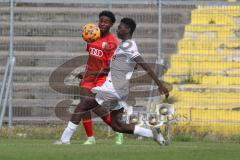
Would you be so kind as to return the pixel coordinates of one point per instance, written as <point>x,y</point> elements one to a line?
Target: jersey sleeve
<point>134,53</point>
<point>132,50</point>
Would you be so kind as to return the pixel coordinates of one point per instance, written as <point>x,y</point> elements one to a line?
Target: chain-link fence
<point>47,36</point>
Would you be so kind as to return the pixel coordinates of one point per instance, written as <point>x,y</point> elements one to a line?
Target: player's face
<point>122,30</point>
<point>104,24</point>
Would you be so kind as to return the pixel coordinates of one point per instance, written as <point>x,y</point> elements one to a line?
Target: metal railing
<point>6,90</point>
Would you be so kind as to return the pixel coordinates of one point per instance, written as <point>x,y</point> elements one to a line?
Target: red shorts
<point>90,85</point>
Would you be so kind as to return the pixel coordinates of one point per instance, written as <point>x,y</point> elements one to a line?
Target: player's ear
<point>129,30</point>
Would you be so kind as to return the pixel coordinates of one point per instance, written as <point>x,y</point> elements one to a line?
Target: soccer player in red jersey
<point>97,68</point>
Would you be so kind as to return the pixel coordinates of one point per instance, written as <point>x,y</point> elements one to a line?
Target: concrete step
<point>55,29</point>
<point>206,93</point>
<point>52,59</point>
<point>208,105</point>
<point>208,88</point>
<point>40,59</point>
<point>80,14</point>
<point>196,66</point>
<point>37,91</point>
<point>28,74</point>
<point>34,107</point>
<point>211,30</point>
<point>35,103</point>
<point>197,71</point>
<point>42,90</point>
<point>215,15</point>
<point>207,46</point>
<point>31,74</point>
<point>75,44</point>
<point>197,78</point>
<point>205,58</point>
<point>209,116</point>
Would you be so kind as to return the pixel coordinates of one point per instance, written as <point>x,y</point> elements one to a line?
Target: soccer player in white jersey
<point>114,91</point>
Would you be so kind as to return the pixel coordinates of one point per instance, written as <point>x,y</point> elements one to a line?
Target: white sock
<point>91,138</point>
<point>68,132</point>
<point>140,131</point>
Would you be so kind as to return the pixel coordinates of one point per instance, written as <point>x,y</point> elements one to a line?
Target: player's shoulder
<point>129,45</point>
<point>111,38</point>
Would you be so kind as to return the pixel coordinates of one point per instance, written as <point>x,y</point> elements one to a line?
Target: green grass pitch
<point>27,149</point>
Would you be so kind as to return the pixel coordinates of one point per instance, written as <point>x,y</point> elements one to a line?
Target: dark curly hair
<point>108,14</point>
<point>130,23</point>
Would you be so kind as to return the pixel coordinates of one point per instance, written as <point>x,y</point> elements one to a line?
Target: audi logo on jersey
<point>95,52</point>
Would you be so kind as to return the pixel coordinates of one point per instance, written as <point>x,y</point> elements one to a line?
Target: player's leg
<point>119,136</point>
<point>104,114</point>
<point>88,126</point>
<point>80,113</point>
<point>119,125</point>
<point>87,122</point>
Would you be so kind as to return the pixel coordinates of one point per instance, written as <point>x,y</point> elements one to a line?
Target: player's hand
<point>165,88</point>
<point>80,75</point>
<point>136,67</point>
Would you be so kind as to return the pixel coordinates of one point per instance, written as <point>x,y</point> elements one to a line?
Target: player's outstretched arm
<point>162,89</point>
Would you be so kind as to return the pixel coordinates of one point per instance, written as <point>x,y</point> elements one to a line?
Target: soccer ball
<point>90,32</point>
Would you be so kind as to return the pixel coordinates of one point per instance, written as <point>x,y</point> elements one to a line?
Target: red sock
<point>88,127</point>
<point>108,120</point>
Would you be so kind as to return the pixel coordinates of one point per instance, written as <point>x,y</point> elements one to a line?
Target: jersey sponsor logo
<point>109,47</point>
<point>95,52</point>
<point>104,44</point>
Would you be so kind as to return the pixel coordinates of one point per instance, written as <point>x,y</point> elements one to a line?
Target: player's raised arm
<point>162,89</point>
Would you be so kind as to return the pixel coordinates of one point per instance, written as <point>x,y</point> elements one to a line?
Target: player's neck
<point>105,34</point>
<point>127,37</point>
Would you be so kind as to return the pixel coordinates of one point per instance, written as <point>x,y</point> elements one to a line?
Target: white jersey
<point>116,87</point>
<point>122,66</point>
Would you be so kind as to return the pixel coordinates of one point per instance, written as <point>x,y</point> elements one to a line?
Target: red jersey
<point>100,54</point>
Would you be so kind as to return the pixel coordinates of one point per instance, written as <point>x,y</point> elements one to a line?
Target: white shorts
<point>107,96</point>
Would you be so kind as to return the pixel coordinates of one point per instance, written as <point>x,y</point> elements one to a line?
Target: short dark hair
<point>108,14</point>
<point>130,23</point>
